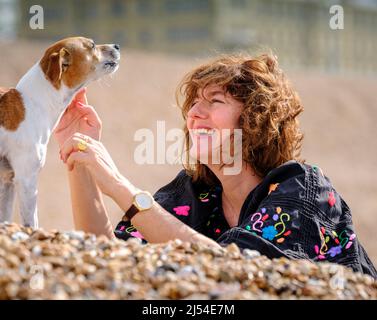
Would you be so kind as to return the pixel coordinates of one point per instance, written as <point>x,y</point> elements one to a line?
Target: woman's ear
<point>58,63</point>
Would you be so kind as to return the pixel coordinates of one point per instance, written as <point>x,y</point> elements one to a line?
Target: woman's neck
<point>235,189</point>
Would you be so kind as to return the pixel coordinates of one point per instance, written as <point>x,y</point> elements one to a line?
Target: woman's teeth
<point>203,131</point>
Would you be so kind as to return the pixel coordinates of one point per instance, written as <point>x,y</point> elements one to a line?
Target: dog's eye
<point>92,45</point>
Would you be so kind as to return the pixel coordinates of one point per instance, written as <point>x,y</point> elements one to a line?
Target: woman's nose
<point>198,110</point>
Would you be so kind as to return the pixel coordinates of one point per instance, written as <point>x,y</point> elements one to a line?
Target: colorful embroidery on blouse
<point>204,197</point>
<point>212,193</point>
<point>123,231</point>
<point>276,231</point>
<point>269,232</point>
<point>182,210</point>
<point>137,234</point>
<point>315,168</point>
<point>210,219</point>
<point>215,224</point>
<point>273,187</point>
<point>331,199</point>
<point>333,244</point>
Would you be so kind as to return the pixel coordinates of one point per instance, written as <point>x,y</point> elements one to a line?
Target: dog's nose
<point>117,47</point>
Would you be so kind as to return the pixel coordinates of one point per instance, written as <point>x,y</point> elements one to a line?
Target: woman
<point>275,204</point>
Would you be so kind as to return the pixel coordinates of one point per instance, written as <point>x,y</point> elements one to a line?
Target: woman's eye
<point>216,101</point>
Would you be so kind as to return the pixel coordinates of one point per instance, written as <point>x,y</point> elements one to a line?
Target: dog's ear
<point>65,59</point>
<point>58,63</point>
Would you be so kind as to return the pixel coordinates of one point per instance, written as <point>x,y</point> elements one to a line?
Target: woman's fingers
<point>70,115</point>
<point>77,158</point>
<point>80,97</point>
<point>96,159</point>
<point>74,144</point>
<point>90,114</point>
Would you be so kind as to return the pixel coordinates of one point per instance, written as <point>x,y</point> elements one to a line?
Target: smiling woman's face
<point>213,111</point>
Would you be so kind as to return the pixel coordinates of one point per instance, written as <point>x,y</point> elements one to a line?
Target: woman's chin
<point>203,156</point>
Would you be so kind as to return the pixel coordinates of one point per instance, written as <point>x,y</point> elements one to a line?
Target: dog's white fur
<point>23,151</point>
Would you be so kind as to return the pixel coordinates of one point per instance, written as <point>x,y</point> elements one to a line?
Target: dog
<point>30,112</point>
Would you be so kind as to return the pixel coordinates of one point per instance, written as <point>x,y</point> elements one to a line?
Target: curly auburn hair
<point>270,128</point>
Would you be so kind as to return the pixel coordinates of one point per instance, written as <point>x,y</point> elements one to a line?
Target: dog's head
<point>76,61</point>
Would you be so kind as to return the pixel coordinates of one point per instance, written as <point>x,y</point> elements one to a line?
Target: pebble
<point>39,264</point>
<point>250,254</point>
<point>78,235</point>
<point>19,235</point>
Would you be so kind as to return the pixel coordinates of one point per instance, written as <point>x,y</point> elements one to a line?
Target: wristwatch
<point>142,201</point>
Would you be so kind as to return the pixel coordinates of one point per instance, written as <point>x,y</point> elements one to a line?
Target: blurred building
<point>8,20</point>
<point>297,30</point>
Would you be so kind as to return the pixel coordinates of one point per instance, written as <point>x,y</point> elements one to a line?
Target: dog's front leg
<point>26,162</point>
<point>6,200</point>
<point>26,188</point>
<point>6,191</point>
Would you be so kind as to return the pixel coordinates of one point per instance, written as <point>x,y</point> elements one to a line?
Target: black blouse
<point>294,212</point>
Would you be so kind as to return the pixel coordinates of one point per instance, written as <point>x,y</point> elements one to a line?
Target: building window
<point>118,8</point>
<point>91,11</point>
<point>239,3</point>
<point>87,10</point>
<point>52,13</point>
<point>186,6</point>
<point>187,34</point>
<point>144,7</point>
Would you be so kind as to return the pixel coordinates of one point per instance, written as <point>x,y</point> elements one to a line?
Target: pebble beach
<point>39,264</point>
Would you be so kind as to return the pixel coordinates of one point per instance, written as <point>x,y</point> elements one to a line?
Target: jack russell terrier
<point>30,112</point>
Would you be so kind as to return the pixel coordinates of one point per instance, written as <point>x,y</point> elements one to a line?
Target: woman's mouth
<point>203,132</point>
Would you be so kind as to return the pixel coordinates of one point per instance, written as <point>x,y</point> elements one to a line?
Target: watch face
<point>144,201</point>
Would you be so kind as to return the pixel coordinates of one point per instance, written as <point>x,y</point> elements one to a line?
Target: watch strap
<point>131,212</point>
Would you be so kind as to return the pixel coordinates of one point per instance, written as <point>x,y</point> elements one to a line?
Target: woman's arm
<point>89,212</point>
<point>156,224</point>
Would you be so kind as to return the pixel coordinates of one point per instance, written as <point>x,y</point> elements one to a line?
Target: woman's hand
<point>78,117</point>
<point>81,149</point>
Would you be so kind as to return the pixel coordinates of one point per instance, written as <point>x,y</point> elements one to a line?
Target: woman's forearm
<point>156,224</point>
<point>89,212</point>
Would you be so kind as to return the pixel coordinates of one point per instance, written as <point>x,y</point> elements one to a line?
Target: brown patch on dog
<point>69,61</point>
<point>12,110</point>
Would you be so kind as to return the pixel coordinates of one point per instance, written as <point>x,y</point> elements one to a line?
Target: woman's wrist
<point>123,193</point>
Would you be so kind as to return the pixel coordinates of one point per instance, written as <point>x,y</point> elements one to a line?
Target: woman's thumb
<point>90,114</point>
<point>81,96</point>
